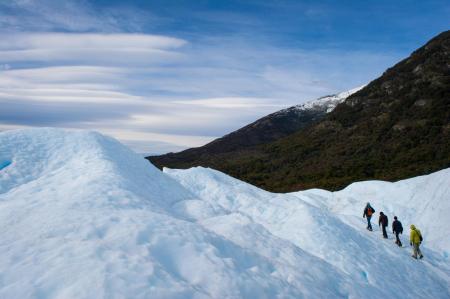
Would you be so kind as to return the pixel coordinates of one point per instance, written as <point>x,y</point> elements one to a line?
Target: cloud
<point>70,15</point>
<point>92,49</point>
<point>89,41</point>
<point>232,103</point>
<point>151,147</point>
<point>177,140</point>
<point>77,84</point>
<point>43,113</point>
<point>68,95</point>
<point>5,66</point>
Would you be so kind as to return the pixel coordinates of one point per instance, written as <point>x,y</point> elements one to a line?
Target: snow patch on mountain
<point>326,103</point>
<point>82,216</point>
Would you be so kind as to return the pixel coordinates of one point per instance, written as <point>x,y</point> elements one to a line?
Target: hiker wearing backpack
<point>383,221</point>
<point>368,212</point>
<point>397,229</point>
<point>415,239</point>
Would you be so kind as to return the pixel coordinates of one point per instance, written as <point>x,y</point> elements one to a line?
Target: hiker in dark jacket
<point>368,212</point>
<point>397,229</point>
<point>383,221</point>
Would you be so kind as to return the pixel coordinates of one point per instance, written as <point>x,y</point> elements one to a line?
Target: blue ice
<point>4,163</point>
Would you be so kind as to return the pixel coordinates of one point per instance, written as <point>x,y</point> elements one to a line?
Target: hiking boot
<point>421,257</point>
<point>414,257</point>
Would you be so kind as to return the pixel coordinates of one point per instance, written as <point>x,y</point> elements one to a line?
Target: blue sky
<point>166,75</point>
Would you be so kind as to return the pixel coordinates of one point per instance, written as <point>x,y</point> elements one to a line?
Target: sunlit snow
<point>82,216</point>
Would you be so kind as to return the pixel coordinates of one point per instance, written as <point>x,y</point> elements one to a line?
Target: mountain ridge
<point>262,131</point>
<point>397,126</point>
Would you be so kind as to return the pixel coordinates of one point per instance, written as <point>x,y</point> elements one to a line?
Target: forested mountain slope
<point>398,126</point>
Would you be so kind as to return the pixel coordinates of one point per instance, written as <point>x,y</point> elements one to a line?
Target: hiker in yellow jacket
<point>415,238</point>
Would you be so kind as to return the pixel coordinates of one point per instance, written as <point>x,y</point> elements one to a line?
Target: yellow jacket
<point>414,237</point>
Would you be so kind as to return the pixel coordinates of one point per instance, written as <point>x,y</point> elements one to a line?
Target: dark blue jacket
<point>397,227</point>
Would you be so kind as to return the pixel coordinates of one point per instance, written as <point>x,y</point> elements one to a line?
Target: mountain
<point>396,127</point>
<point>263,131</point>
<point>83,216</point>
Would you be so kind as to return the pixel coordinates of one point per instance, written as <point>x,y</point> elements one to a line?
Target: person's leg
<point>419,252</point>
<point>369,225</point>
<point>399,243</point>
<point>384,231</point>
<point>415,249</point>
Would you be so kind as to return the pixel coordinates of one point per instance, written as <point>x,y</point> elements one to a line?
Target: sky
<point>163,76</point>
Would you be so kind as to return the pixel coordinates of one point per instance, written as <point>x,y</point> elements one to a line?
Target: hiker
<point>397,229</point>
<point>383,221</point>
<point>368,212</point>
<point>415,239</point>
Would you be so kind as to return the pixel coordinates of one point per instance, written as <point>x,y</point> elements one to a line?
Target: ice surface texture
<point>82,216</point>
<point>4,164</point>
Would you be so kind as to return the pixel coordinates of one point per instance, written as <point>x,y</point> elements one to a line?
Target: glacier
<point>83,216</point>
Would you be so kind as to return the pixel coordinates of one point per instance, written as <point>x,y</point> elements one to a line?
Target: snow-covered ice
<point>82,216</point>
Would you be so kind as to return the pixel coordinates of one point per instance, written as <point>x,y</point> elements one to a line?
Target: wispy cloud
<point>89,48</point>
<point>231,103</point>
<point>70,15</point>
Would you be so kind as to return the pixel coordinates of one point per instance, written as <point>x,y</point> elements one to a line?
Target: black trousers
<point>384,231</point>
<point>397,239</point>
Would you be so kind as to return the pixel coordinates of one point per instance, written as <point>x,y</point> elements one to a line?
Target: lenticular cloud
<point>89,48</point>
